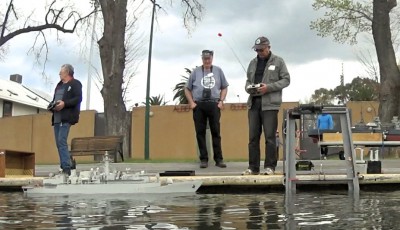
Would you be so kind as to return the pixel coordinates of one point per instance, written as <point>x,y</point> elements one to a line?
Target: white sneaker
<point>249,172</point>
<point>269,171</point>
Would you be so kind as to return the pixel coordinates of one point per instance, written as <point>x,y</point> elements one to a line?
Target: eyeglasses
<point>259,50</point>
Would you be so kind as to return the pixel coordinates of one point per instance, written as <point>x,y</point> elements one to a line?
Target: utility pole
<point>92,38</point>
<point>147,113</point>
<point>342,91</point>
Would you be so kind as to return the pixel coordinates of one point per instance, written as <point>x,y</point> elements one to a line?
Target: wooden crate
<point>16,163</point>
<point>356,137</point>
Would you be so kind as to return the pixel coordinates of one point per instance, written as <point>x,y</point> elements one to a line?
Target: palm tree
<point>156,100</point>
<point>180,88</point>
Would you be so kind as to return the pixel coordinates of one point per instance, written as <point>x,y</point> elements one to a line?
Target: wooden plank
<point>79,144</point>
<point>16,163</point>
<point>91,143</point>
<point>362,143</point>
<point>355,136</point>
<point>84,146</point>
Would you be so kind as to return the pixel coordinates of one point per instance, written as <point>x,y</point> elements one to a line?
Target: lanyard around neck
<point>202,69</point>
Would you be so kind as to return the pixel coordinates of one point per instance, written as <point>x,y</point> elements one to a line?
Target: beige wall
<point>34,133</point>
<point>172,134</point>
<point>16,133</point>
<point>368,109</point>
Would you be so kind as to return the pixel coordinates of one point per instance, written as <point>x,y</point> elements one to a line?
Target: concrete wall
<point>172,134</point>
<point>16,133</point>
<point>363,110</point>
<point>34,133</point>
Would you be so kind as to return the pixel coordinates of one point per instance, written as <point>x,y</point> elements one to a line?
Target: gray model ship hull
<point>116,187</point>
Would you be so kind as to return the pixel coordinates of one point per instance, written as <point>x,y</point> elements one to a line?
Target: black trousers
<point>259,121</point>
<point>202,112</point>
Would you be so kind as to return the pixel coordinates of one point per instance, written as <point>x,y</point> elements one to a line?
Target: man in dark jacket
<point>66,108</point>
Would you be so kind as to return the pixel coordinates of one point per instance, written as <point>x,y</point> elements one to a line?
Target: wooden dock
<point>236,181</point>
<point>217,177</point>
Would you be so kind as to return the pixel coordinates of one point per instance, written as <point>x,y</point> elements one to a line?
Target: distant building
<point>17,99</point>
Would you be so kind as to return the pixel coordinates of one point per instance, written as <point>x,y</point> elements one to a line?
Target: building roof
<point>16,92</point>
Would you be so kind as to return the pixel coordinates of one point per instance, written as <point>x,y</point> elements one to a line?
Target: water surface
<point>307,210</point>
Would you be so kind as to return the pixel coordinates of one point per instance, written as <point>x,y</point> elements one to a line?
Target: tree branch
<point>49,24</point>
<point>3,29</point>
<point>392,4</point>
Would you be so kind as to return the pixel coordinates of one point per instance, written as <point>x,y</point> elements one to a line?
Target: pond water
<point>306,210</point>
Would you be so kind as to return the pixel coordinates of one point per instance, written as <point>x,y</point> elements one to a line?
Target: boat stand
<point>291,178</point>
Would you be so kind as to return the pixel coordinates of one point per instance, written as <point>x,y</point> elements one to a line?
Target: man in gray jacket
<point>267,75</point>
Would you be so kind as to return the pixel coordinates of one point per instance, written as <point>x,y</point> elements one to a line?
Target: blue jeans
<point>61,131</point>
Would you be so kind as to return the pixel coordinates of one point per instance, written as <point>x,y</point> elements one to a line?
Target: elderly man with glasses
<point>205,91</point>
<point>267,75</point>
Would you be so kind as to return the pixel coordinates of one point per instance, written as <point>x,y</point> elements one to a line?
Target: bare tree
<point>345,19</point>
<point>112,46</point>
<point>65,19</point>
<point>134,44</point>
<point>371,67</point>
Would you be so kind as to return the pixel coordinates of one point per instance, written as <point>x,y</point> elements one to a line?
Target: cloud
<point>313,62</point>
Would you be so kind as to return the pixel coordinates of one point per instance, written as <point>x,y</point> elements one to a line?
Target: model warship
<point>96,181</point>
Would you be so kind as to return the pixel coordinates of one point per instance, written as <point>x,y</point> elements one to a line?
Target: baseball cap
<point>260,42</point>
<point>207,53</point>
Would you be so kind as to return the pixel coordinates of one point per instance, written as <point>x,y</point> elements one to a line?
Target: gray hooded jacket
<point>276,77</point>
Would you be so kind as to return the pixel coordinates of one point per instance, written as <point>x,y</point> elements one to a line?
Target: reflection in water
<point>61,213</point>
<point>263,215</point>
<point>255,215</point>
<point>210,213</point>
<point>325,210</point>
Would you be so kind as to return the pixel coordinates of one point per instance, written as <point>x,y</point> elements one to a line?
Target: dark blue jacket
<point>72,99</point>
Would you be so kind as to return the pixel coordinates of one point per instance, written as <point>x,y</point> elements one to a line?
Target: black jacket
<point>72,99</point>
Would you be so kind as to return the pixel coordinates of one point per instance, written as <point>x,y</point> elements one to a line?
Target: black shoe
<point>73,163</point>
<point>67,171</point>
<point>220,164</point>
<point>203,164</point>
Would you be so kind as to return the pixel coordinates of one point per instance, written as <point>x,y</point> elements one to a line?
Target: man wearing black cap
<point>267,75</point>
<point>205,91</point>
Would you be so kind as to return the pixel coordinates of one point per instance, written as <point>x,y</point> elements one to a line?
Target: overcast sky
<point>313,62</point>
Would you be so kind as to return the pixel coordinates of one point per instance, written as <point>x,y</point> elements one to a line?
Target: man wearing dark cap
<point>267,75</point>
<point>205,91</point>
